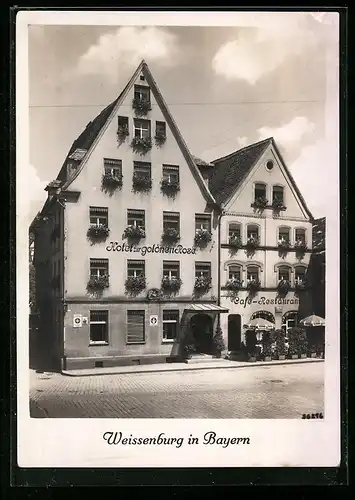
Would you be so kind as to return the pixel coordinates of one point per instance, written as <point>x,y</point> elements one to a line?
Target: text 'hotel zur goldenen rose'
<point>142,249</point>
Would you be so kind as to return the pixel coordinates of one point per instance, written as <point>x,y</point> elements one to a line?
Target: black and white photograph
<point>177,212</point>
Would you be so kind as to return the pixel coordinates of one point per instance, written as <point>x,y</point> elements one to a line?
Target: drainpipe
<point>219,266</point>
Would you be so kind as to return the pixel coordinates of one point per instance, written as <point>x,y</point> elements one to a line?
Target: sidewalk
<point>180,367</point>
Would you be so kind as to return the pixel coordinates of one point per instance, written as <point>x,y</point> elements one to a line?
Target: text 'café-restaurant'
<point>153,268</point>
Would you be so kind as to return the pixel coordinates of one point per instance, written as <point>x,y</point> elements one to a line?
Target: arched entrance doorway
<point>234,332</point>
<point>202,333</point>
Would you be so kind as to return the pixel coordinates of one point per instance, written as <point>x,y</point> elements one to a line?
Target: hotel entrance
<point>201,326</point>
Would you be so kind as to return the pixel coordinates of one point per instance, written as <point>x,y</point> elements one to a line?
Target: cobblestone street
<point>251,392</point>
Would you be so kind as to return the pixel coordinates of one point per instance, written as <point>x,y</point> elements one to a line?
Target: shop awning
<point>206,308</point>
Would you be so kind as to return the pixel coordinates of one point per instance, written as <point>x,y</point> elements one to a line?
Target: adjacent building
<point>126,249</point>
<point>265,239</point>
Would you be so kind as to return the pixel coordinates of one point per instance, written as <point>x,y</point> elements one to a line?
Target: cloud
<point>128,46</point>
<point>312,171</point>
<point>290,133</point>
<point>263,43</point>
<point>30,193</point>
<point>242,141</point>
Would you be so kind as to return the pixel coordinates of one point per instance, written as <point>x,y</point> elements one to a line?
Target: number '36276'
<point>312,415</point>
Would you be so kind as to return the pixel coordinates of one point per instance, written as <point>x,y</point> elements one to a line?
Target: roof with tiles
<point>233,168</point>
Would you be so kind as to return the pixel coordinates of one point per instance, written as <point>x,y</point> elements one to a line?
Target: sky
<point>226,87</point>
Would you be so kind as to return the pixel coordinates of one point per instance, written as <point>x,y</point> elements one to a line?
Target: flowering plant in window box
<point>300,245</point>
<point>135,284</point>
<point>112,181</point>
<point>253,285</point>
<point>169,187</point>
<point>134,232</point>
<point>300,284</point>
<point>98,282</point>
<point>283,245</point>
<point>160,139</point>
<point>122,133</point>
<point>141,182</point>
<point>141,145</point>
<point>283,287</point>
<point>98,232</point>
<point>141,106</point>
<point>235,241</point>
<point>234,284</point>
<point>252,242</point>
<point>202,237</point>
<point>260,202</point>
<point>172,284</point>
<point>202,283</point>
<point>171,235</point>
<point>278,204</point>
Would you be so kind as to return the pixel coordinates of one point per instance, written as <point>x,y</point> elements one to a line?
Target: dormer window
<point>260,200</point>
<point>278,201</point>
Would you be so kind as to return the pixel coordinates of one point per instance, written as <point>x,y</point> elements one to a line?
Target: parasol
<point>313,320</point>
<point>260,324</point>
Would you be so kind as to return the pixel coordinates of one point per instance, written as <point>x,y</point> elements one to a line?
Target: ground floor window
<point>135,327</point>
<point>170,325</point>
<point>98,327</point>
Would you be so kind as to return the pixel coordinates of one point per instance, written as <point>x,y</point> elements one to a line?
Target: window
<point>203,222</point>
<point>98,327</point>
<point>135,268</point>
<point>234,230</point>
<point>278,193</point>
<point>234,272</point>
<point>253,231</point>
<point>252,273</point>
<point>300,274</point>
<point>141,128</point>
<point>143,169</point>
<point>269,165</point>
<point>203,269</point>
<point>284,273</point>
<point>136,218</point>
<point>142,93</point>
<point>171,220</point>
<point>142,77</point>
<point>300,235</point>
<point>135,327</point>
<point>259,191</point>
<point>171,173</point>
<point>171,269</point>
<point>112,167</point>
<point>284,234</point>
<point>160,128</point>
<point>289,320</point>
<point>98,267</point>
<point>123,122</point>
<point>98,216</point>
<point>264,315</point>
<point>170,325</point>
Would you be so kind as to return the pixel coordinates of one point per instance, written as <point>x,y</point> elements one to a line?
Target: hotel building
<point>265,239</point>
<point>126,246</point>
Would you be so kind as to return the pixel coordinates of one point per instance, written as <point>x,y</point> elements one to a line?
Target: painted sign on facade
<point>277,301</point>
<point>115,246</point>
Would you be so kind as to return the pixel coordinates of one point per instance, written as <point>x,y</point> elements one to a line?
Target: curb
<point>195,368</point>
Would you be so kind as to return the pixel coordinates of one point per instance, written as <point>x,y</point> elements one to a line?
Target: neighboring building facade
<point>266,240</point>
<point>126,251</point>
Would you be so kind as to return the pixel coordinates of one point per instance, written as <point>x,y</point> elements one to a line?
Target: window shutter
<point>135,327</point>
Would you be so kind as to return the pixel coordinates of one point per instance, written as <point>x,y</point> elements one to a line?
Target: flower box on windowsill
<point>98,232</point>
<point>300,285</point>
<point>122,133</point>
<point>141,145</point>
<point>202,237</point>
<point>141,106</point>
<point>170,188</point>
<point>110,181</point>
<point>283,287</point>
<point>141,182</point>
<point>202,284</point>
<point>260,203</point>
<point>171,235</point>
<point>278,205</point>
<point>235,242</point>
<point>300,246</point>
<point>171,284</point>
<point>252,243</point>
<point>98,282</point>
<point>253,285</point>
<point>234,284</point>
<point>134,232</point>
<point>283,245</point>
<point>135,284</point>
<point>159,139</point>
